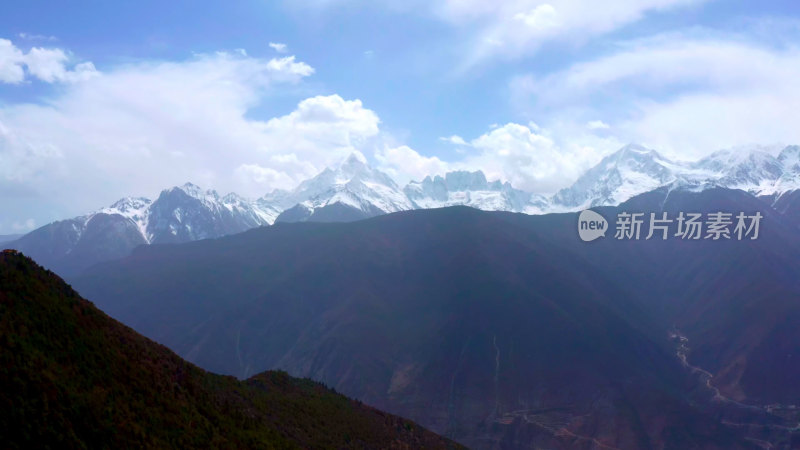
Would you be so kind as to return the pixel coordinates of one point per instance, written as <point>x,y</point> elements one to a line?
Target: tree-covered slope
<point>72,377</point>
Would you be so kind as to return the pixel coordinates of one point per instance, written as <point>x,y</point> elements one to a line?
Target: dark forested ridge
<point>494,328</point>
<point>72,377</point>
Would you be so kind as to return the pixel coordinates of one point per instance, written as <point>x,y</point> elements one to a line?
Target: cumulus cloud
<point>145,126</point>
<point>320,132</point>
<point>530,158</point>
<point>526,155</point>
<point>46,64</point>
<point>12,61</point>
<point>405,164</point>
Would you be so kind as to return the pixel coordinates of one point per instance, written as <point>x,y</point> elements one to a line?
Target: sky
<point>101,100</point>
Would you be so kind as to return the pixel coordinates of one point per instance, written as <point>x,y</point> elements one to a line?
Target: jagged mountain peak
<point>635,154</point>
<point>233,198</point>
<point>195,191</point>
<point>727,158</point>
<point>469,188</point>
<point>634,169</point>
<point>353,189</point>
<point>462,180</point>
<point>753,169</point>
<point>631,170</point>
<point>130,203</point>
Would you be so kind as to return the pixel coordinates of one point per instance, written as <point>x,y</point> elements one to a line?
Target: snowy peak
<point>128,206</point>
<point>755,171</point>
<point>634,169</point>
<point>352,186</point>
<point>353,190</point>
<point>466,181</point>
<point>634,158</point>
<point>355,169</point>
<point>188,212</point>
<point>470,189</point>
<point>135,209</point>
<point>629,171</point>
<point>207,196</point>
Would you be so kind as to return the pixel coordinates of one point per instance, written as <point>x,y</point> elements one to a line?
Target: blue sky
<point>99,100</point>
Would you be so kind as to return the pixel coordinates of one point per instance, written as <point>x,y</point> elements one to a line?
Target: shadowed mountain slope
<point>71,377</point>
<point>491,328</point>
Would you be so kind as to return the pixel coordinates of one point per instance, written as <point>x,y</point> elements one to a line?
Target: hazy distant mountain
<point>9,237</point>
<point>354,190</point>
<point>754,171</point>
<point>189,213</point>
<point>179,214</point>
<point>472,189</point>
<point>68,246</point>
<point>628,172</point>
<point>72,377</point>
<point>495,327</point>
<point>634,170</point>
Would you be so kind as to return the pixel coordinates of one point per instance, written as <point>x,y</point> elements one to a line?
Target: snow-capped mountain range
<point>351,191</point>
<point>634,170</point>
<point>355,190</point>
<point>472,189</point>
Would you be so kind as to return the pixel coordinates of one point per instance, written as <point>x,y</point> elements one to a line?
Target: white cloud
<point>287,69</point>
<point>454,139</point>
<point>145,126</point>
<point>529,158</point>
<point>11,63</point>
<point>320,132</point>
<point>514,28</point>
<point>279,47</point>
<point>49,65</point>
<point>405,164</point>
<point>325,121</point>
<point>46,64</point>
<point>685,95</point>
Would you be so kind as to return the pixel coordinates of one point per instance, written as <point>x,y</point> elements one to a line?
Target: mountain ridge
<point>354,190</point>
<point>72,377</point>
<point>477,324</point>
